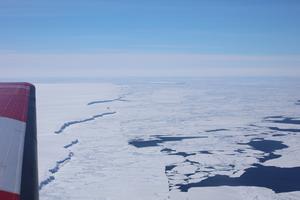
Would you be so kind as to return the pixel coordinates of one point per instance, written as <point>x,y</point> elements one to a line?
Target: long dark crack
<point>67,124</point>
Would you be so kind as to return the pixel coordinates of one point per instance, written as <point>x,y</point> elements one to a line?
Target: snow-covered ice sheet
<point>213,138</point>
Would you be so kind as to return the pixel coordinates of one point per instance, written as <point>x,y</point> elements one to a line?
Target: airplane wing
<point>18,142</point>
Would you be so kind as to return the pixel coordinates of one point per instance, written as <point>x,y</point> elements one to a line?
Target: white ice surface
<point>105,166</point>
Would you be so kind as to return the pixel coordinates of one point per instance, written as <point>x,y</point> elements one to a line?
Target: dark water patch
<point>186,179</point>
<point>275,178</point>
<point>203,171</point>
<point>171,152</point>
<point>239,150</point>
<point>184,154</point>
<point>274,117</point>
<point>253,125</point>
<point>141,143</point>
<point>227,136</point>
<point>71,144</point>
<point>267,146</point>
<point>190,174</point>
<point>169,173</point>
<point>278,135</point>
<point>285,120</point>
<point>269,157</point>
<point>293,130</point>
<point>216,130</point>
<point>46,182</point>
<point>167,150</point>
<point>107,101</point>
<point>67,124</point>
<point>205,152</point>
<point>297,102</point>
<point>191,162</point>
<point>169,167</point>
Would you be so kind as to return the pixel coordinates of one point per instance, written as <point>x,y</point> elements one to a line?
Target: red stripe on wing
<point>8,196</point>
<point>14,99</point>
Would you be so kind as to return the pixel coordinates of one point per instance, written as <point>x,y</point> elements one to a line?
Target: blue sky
<point>256,33</point>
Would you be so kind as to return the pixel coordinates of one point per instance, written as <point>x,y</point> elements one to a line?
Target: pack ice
<point>212,138</point>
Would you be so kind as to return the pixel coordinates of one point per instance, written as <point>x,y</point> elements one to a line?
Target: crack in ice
<point>67,124</point>
<point>71,144</point>
<point>121,98</point>
<point>55,169</point>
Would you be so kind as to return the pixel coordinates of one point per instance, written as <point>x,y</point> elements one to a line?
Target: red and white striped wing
<point>14,99</point>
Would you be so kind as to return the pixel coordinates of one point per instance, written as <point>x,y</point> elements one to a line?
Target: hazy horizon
<point>142,38</point>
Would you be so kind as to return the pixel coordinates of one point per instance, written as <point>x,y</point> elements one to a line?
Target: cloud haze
<point>14,65</point>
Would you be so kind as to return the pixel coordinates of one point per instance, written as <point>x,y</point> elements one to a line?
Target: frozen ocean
<point>169,138</point>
